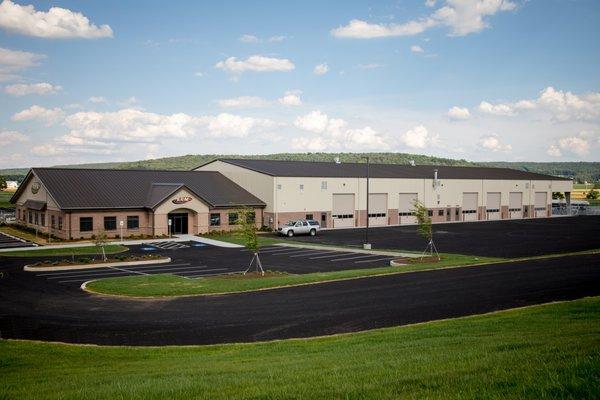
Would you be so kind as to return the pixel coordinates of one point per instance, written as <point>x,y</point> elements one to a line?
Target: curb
<point>93,266</point>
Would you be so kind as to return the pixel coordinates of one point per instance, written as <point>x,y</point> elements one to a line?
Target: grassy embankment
<point>77,251</point>
<point>548,351</point>
<point>4,199</point>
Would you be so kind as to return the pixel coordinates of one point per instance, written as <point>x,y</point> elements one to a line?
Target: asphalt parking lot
<point>9,242</point>
<point>196,260</point>
<point>514,238</point>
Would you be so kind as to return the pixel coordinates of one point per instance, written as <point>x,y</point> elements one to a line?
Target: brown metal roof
<point>356,170</point>
<point>35,205</point>
<point>110,188</point>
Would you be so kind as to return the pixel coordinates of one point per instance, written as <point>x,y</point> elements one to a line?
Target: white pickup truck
<point>299,227</point>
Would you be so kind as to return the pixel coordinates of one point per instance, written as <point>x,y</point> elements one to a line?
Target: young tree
<point>100,241</point>
<point>592,195</point>
<point>246,221</point>
<point>424,227</point>
<point>2,183</point>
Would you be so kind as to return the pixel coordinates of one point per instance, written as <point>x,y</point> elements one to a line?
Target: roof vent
<point>337,160</point>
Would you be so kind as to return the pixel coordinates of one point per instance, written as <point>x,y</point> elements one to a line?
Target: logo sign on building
<point>182,200</point>
<point>35,187</point>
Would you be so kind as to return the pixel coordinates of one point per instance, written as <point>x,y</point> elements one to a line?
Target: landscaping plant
<point>424,227</point>
<point>248,232</point>
<point>101,240</point>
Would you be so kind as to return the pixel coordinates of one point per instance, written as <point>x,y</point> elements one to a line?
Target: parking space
<point>166,245</point>
<point>9,242</point>
<point>193,262</point>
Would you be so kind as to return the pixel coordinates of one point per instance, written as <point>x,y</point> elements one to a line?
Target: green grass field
<point>172,285</point>
<point>542,352</point>
<point>4,199</point>
<point>78,251</point>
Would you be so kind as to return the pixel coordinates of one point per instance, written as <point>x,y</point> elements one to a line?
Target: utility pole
<point>367,245</point>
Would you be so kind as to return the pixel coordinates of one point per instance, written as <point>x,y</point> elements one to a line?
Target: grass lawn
<point>4,199</point>
<point>15,231</point>
<point>548,351</point>
<point>172,285</point>
<point>78,251</point>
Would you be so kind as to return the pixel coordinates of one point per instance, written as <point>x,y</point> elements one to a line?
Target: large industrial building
<point>78,203</point>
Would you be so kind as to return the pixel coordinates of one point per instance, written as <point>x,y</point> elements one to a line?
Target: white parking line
<point>355,257</point>
<point>99,269</point>
<point>275,250</point>
<point>157,266</point>
<point>198,267</point>
<point>89,275</point>
<point>331,255</point>
<point>313,253</point>
<point>290,251</point>
<point>378,259</point>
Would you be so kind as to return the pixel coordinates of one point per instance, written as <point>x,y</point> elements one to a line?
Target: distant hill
<point>580,171</point>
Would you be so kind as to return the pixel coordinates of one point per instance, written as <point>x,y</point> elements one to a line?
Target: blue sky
<point>477,79</point>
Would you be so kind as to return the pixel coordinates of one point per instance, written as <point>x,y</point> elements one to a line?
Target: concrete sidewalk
<point>180,238</point>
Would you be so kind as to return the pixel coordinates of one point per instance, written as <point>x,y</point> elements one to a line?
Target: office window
<point>309,216</point>
<point>323,185</point>
<point>279,186</point>
<point>133,222</point>
<point>456,212</point>
<point>110,223</point>
<point>60,223</point>
<point>251,217</point>
<point>301,188</point>
<point>86,224</point>
<point>43,219</point>
<point>233,218</point>
<point>52,222</point>
<point>215,219</point>
<point>30,217</point>
<point>430,213</point>
<point>440,213</point>
<point>36,219</point>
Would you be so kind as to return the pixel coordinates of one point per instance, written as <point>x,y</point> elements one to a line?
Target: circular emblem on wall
<point>35,187</point>
<point>181,200</point>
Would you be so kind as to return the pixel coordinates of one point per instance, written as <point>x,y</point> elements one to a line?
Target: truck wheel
<point>290,233</point>
<point>313,232</point>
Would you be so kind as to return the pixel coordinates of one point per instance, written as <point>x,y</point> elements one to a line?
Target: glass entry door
<point>179,223</point>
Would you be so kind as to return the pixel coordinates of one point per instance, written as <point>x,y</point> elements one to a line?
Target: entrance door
<point>179,223</point>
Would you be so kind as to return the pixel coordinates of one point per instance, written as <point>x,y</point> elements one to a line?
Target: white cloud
<point>199,74</point>
<point>575,145</point>
<point>278,38</point>
<point>321,69</point>
<point>97,99</point>
<point>371,66</point>
<point>554,151</point>
<point>246,38</point>
<point>492,142</point>
<point>22,89</point>
<point>312,143</point>
<point>243,102</point>
<point>56,23</point>
<point>9,137</point>
<point>562,106</point>
<point>315,121</point>
<point>459,113</point>
<point>430,3</point>
<point>419,138</point>
<point>14,61</point>
<point>291,98</point>
<point>416,49</point>
<point>365,139</point>
<point>255,63</point>
<point>234,126</point>
<point>48,116</point>
<point>461,17</point>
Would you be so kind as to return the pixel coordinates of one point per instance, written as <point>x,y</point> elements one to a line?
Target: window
<point>233,218</point>
<point>323,185</point>
<point>406,214</point>
<point>110,223</point>
<point>30,217</point>
<point>60,223</point>
<point>440,213</point>
<point>343,216</point>
<point>309,216</point>
<point>323,217</point>
<point>43,219</point>
<point>279,186</point>
<point>18,213</point>
<point>430,213</point>
<point>377,215</point>
<point>133,222</point>
<point>456,212</point>
<point>36,219</point>
<point>215,219</point>
<point>251,217</point>
<point>86,224</point>
<point>52,222</point>
<point>301,188</point>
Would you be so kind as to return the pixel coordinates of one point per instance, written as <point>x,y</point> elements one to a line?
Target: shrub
<point>84,260</point>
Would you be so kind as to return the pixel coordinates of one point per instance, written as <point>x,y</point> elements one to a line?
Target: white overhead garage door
<point>540,204</point>
<point>343,210</point>
<point>492,205</point>
<point>378,209</point>
<point>406,208</point>
<point>515,205</point>
<point>469,206</point>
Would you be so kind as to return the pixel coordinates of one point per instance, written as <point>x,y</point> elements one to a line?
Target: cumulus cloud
<point>370,66</point>
<point>574,144</point>
<point>9,137</point>
<point>246,38</point>
<point>419,138</point>
<point>492,142</point>
<point>243,102</point>
<point>228,125</point>
<point>291,98</point>
<point>461,17</point>
<point>554,151</point>
<point>416,49</point>
<point>97,99</point>
<point>56,23</point>
<point>561,105</point>
<point>430,3</point>
<point>48,116</point>
<point>14,61</point>
<point>23,89</point>
<point>334,134</point>
<point>321,69</point>
<point>255,63</point>
<point>459,113</point>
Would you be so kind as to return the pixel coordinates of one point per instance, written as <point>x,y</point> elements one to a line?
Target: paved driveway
<point>9,242</point>
<point>516,238</point>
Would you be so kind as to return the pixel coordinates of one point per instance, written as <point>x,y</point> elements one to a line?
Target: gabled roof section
<point>109,188</point>
<point>358,170</point>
